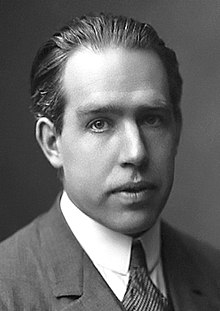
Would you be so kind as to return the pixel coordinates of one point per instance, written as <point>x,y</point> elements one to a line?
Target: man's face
<point>119,137</point>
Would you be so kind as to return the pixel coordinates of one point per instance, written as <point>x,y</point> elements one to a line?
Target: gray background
<point>28,184</point>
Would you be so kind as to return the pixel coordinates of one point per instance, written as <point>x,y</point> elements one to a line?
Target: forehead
<point>114,74</point>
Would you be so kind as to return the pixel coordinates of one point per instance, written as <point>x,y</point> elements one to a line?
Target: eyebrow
<point>96,109</point>
<point>114,108</point>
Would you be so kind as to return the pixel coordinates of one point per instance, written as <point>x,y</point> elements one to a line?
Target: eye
<point>99,125</point>
<point>153,120</point>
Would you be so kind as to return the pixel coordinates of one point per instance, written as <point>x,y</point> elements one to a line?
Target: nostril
<point>140,163</point>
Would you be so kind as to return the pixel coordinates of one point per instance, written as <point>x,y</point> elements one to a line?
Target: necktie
<point>141,293</point>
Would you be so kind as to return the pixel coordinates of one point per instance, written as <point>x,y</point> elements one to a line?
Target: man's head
<point>97,33</point>
<point>106,93</point>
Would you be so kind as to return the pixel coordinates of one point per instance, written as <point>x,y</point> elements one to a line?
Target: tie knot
<point>137,255</point>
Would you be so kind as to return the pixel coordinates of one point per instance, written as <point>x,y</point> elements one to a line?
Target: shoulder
<point>22,254</point>
<point>24,251</point>
<point>198,253</point>
<point>35,260</point>
<point>22,270</point>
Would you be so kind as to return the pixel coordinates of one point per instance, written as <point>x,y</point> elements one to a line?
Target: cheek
<point>88,158</point>
<point>163,156</point>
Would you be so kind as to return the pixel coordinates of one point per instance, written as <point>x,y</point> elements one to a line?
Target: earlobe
<point>48,138</point>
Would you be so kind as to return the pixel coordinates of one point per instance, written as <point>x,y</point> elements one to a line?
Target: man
<point>106,94</point>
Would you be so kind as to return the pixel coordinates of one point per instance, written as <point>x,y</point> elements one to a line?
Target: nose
<point>133,147</point>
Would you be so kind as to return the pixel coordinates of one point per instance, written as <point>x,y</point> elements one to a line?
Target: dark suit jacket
<point>42,267</point>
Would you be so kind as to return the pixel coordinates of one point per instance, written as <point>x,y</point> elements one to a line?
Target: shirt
<point>110,251</point>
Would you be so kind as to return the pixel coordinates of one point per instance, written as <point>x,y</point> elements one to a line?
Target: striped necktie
<point>141,293</point>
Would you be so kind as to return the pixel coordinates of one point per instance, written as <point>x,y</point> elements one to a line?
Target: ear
<point>178,133</point>
<point>48,140</point>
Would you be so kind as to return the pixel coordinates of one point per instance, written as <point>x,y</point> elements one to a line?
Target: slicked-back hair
<point>96,32</point>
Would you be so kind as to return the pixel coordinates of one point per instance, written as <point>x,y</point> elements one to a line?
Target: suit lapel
<point>76,283</point>
<point>188,288</point>
<point>97,295</point>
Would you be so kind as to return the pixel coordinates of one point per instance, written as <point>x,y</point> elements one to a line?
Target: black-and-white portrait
<point>110,155</point>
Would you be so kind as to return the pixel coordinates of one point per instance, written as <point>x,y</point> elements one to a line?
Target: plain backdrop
<point>28,185</point>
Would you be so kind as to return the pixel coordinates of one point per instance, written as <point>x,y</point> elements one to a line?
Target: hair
<point>96,32</point>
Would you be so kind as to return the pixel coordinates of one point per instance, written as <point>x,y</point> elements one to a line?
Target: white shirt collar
<point>104,246</point>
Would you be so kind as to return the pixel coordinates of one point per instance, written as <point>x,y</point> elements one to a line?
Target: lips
<point>134,187</point>
<point>133,193</point>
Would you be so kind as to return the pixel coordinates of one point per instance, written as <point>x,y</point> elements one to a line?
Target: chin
<point>135,226</point>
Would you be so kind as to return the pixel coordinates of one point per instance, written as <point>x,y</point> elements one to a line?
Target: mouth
<point>134,192</point>
<point>135,187</point>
